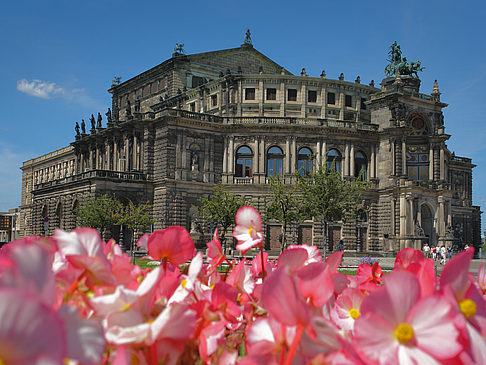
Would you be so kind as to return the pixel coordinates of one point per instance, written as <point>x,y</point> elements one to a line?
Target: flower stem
<point>264,273</point>
<point>295,343</point>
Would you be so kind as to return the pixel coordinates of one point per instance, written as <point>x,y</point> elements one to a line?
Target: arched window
<point>244,158</point>
<point>59,215</point>
<point>304,161</point>
<point>360,165</point>
<point>334,159</point>
<point>274,161</point>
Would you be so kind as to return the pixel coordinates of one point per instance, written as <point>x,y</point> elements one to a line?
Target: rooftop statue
<point>247,39</point>
<point>179,48</point>
<point>400,64</point>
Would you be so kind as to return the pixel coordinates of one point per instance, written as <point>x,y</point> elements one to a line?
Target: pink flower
<point>369,277</point>
<point>173,244</point>
<point>215,252</point>
<point>30,332</point>
<point>396,326</point>
<point>315,283</point>
<point>347,308</point>
<point>248,228</point>
<point>282,299</point>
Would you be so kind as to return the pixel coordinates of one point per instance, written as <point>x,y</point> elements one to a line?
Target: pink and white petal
<point>91,240</point>
<point>85,337</point>
<point>456,273</point>
<point>477,346</point>
<point>249,217</point>
<point>313,254</point>
<point>119,335</point>
<point>176,322</point>
<point>142,241</point>
<point>403,290</point>
<point>293,258</point>
<point>374,338</point>
<point>281,298</point>
<point>411,355</point>
<point>111,303</point>
<point>29,330</point>
<point>245,242</point>
<point>430,318</point>
<point>68,243</point>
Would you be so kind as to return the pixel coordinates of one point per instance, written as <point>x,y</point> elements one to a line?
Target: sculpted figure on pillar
<point>83,126</point>
<point>100,118</point>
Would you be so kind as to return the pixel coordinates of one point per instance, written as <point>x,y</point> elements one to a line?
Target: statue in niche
<point>194,161</point>
<point>83,126</point>
<point>247,39</point>
<point>77,128</point>
<point>100,118</point>
<point>93,122</point>
<point>128,108</point>
<point>137,105</point>
<point>419,231</point>
<point>108,115</point>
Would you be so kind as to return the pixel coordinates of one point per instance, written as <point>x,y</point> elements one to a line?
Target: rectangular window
<point>193,107</point>
<point>250,93</point>
<point>348,100</point>
<point>363,105</point>
<point>312,96</point>
<point>331,98</point>
<point>214,100</point>
<point>292,95</point>
<point>271,94</point>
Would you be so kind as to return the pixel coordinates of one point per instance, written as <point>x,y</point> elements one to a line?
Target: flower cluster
<point>367,260</point>
<point>75,299</point>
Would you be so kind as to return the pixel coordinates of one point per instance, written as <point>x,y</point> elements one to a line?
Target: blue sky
<point>57,59</point>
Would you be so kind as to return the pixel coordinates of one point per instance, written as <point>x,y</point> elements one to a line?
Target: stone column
<point>261,157</point>
<point>341,103</point>
<point>256,154</point>
<point>351,161</point>
<point>404,157</point>
<point>231,155</point>
<point>394,157</point>
<point>282,98</point>
<point>346,160</point>
<point>303,100</point>
<point>225,156</point>
<point>318,155</point>
<point>293,161</point>
<point>442,164</point>
<point>442,219</point>
<point>372,173</point>
<point>287,156</point>
<point>260,92</point>
<point>431,162</point>
<point>324,154</point>
<point>323,102</point>
<point>135,152</point>
<point>403,220</point>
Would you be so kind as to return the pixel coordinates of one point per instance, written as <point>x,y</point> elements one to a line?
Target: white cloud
<point>39,88</point>
<point>47,90</point>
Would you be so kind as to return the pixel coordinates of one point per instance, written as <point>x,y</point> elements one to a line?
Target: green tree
<point>286,205</point>
<point>328,197</point>
<point>220,207</point>
<point>101,213</point>
<point>136,217</point>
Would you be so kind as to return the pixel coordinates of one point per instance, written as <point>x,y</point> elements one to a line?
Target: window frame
<point>274,158</point>
<point>248,93</point>
<point>293,97</point>
<point>246,159</point>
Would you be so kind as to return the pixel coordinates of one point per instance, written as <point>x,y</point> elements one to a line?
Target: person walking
<point>443,255</point>
<point>426,250</point>
<point>449,252</point>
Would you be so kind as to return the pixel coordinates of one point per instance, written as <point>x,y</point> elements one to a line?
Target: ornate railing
<point>91,174</point>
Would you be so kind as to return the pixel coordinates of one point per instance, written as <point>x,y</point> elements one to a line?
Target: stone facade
<point>236,117</point>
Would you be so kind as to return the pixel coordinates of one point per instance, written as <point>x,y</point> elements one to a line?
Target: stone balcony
<point>134,176</point>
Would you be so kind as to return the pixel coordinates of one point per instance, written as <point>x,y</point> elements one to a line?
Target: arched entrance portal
<point>427,223</point>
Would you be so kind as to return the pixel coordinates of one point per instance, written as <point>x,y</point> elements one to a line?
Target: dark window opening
<point>312,96</point>
<point>331,98</point>
<point>271,94</point>
<point>250,93</point>
<point>214,100</point>
<point>292,95</point>
<point>197,81</point>
<point>360,165</point>
<point>193,107</point>
<point>348,100</point>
